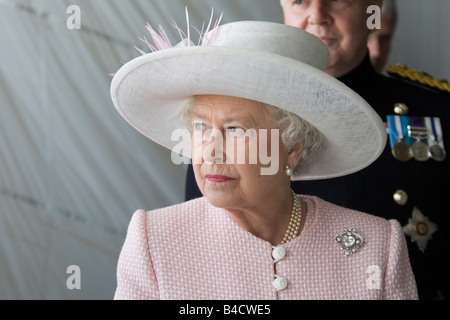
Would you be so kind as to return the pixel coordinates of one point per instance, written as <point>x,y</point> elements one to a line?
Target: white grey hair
<point>293,130</point>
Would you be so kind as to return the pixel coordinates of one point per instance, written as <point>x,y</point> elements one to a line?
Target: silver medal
<point>420,151</point>
<point>437,153</point>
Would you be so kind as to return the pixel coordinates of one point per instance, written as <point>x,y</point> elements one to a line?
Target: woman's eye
<point>236,131</point>
<point>198,126</point>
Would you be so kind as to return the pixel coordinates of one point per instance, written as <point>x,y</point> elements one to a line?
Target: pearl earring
<point>289,171</point>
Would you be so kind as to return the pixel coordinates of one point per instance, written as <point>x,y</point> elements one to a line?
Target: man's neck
<point>340,69</point>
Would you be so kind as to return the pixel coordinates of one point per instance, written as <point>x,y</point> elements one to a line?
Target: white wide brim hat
<point>263,61</point>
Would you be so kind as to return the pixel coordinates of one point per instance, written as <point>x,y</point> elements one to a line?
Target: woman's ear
<point>294,155</point>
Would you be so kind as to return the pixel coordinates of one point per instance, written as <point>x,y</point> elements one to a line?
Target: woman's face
<point>229,146</point>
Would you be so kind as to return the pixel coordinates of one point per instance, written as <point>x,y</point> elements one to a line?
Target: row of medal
<point>416,137</point>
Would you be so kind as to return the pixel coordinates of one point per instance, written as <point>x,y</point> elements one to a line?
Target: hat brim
<point>150,90</point>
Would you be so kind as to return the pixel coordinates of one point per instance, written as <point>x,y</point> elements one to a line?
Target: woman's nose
<point>213,147</point>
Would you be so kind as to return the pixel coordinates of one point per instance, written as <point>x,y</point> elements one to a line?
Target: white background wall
<point>422,39</point>
<point>72,171</point>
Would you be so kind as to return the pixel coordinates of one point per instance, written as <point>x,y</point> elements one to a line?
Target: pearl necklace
<point>294,223</point>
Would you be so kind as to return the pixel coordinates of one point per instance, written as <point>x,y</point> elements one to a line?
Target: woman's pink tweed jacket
<point>196,251</point>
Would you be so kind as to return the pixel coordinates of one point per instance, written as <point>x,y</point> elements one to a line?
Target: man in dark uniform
<point>379,42</point>
<point>415,192</point>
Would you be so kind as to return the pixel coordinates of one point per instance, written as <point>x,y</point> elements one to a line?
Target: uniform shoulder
<point>419,79</point>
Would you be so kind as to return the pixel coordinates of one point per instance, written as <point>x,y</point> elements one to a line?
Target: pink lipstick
<point>218,179</point>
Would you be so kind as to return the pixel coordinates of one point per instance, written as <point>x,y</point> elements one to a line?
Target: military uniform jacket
<point>394,189</point>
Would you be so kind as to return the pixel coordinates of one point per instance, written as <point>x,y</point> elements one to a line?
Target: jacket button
<point>280,283</point>
<point>401,109</point>
<point>278,253</point>
<point>400,197</point>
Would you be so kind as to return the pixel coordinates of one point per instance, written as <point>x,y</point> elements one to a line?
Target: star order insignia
<point>349,241</point>
<point>420,229</point>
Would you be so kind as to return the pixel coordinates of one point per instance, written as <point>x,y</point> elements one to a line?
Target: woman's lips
<point>218,179</point>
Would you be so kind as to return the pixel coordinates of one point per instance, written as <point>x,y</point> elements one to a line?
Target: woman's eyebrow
<point>243,118</point>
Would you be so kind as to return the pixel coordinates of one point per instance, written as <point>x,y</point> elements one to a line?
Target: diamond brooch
<point>349,241</point>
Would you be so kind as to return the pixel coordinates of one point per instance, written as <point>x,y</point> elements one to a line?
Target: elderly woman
<point>250,89</point>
